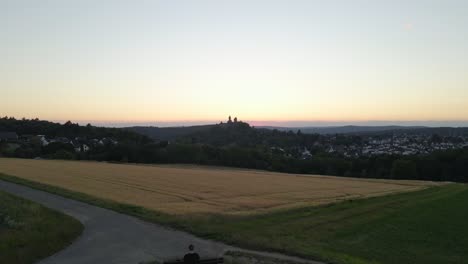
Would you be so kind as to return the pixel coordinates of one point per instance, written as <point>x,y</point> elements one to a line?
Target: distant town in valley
<point>347,141</point>
<point>372,152</point>
<point>355,141</point>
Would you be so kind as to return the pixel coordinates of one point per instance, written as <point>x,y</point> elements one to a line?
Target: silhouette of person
<point>192,257</point>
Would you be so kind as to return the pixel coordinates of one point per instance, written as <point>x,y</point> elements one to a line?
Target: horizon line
<point>285,124</point>
<point>271,123</point>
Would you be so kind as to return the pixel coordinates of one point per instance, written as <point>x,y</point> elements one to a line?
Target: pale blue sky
<point>191,61</point>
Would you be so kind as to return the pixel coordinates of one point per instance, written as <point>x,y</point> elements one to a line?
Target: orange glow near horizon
<point>260,61</point>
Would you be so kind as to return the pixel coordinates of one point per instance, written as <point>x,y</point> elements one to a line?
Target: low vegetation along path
<point>111,237</point>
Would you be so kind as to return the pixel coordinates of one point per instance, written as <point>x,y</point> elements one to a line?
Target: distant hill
<point>344,129</point>
<point>235,134</point>
<point>441,131</point>
<point>173,133</point>
<point>168,133</point>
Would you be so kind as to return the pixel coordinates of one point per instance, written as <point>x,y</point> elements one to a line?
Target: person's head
<point>191,247</point>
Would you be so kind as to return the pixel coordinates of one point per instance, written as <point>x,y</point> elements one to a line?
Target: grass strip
<point>30,232</point>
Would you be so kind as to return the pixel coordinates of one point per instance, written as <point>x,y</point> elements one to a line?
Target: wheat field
<point>188,189</point>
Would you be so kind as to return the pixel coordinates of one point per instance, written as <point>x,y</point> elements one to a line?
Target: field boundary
<point>144,214</point>
<point>133,210</point>
<point>200,191</point>
<point>174,221</point>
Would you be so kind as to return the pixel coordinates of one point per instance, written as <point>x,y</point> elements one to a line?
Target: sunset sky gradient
<point>185,62</point>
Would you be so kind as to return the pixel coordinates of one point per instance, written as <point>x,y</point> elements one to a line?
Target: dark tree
<point>404,169</point>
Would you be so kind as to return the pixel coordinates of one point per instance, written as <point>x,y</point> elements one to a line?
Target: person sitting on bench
<point>192,257</point>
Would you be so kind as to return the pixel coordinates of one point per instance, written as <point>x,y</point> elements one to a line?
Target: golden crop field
<point>192,189</point>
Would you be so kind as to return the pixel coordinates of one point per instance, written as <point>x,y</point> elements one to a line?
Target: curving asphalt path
<point>111,237</point>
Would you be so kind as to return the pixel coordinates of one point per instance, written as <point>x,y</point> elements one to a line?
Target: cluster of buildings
<point>342,145</point>
<point>298,152</point>
<point>367,146</point>
<point>399,145</point>
<point>78,143</point>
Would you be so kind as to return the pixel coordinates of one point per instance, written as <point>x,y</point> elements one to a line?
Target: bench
<point>202,261</point>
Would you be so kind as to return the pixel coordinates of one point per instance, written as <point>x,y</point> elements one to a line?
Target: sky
<point>268,62</point>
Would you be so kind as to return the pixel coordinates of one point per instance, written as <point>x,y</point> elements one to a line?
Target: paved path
<point>111,237</point>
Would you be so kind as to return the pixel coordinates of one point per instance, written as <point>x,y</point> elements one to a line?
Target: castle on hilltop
<point>234,123</point>
<point>230,120</point>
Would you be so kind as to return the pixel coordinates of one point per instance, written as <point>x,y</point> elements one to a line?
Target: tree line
<point>237,145</point>
<point>449,165</point>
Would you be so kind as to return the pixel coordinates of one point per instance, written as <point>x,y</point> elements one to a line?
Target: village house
<point>43,140</point>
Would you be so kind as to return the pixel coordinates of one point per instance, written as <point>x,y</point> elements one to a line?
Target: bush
<point>63,155</point>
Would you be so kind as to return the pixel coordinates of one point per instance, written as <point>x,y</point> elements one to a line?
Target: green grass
<point>30,232</point>
<point>428,226</point>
